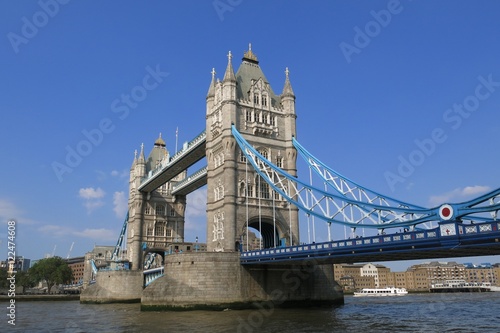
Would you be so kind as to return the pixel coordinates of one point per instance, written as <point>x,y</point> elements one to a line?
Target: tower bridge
<point>251,152</point>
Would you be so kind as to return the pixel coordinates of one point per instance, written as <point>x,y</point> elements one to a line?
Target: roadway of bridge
<point>469,240</point>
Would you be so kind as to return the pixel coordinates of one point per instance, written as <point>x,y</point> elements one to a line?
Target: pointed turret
<point>229,81</point>
<point>288,104</point>
<point>132,168</point>
<point>211,89</point>
<point>141,163</point>
<point>229,74</point>
<point>142,158</point>
<point>287,89</point>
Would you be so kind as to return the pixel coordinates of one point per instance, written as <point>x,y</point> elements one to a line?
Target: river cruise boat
<point>450,286</point>
<point>388,291</point>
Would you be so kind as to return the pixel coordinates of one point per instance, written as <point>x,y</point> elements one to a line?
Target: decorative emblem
<point>446,212</point>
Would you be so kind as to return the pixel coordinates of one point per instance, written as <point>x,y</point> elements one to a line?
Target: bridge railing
<point>187,180</point>
<point>152,274</point>
<point>435,236</point>
<point>187,147</point>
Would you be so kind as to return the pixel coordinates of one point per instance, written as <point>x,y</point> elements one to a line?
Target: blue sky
<point>378,83</point>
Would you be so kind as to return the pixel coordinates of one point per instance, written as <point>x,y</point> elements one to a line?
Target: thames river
<point>454,312</point>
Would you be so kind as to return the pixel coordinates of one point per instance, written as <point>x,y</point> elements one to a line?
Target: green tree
<point>52,270</point>
<point>3,278</point>
<point>25,280</point>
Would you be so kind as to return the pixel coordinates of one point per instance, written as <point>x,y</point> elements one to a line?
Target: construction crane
<point>70,249</point>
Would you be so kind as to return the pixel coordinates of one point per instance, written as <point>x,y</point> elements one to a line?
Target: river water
<point>454,312</point>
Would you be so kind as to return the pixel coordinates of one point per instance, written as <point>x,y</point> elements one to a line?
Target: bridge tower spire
<point>236,197</point>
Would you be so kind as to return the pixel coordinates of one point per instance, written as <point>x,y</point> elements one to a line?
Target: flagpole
<point>176,137</point>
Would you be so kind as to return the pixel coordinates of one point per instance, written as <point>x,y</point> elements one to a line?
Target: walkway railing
<point>192,178</point>
<point>186,149</point>
<point>152,274</point>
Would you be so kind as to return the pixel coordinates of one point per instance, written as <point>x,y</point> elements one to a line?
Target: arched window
<point>264,153</point>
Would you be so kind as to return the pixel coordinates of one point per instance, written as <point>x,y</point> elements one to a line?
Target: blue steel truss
<point>354,205</point>
<point>120,239</point>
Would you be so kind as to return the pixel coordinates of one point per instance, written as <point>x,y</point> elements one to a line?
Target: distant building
<point>77,265</point>
<point>484,272</point>
<point>101,255</point>
<point>19,264</point>
<point>358,276</point>
<point>418,277</point>
<point>438,271</point>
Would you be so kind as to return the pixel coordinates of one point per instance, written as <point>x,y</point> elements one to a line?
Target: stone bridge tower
<point>235,193</point>
<point>156,219</point>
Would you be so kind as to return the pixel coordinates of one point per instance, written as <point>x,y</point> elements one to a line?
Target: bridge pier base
<point>216,281</point>
<point>114,287</point>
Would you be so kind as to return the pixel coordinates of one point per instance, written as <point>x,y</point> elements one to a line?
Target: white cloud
<point>91,193</point>
<point>120,174</point>
<point>458,195</point>
<point>97,234</point>
<point>197,203</point>
<point>91,197</point>
<point>94,234</point>
<point>120,203</point>
<point>92,205</point>
<point>9,211</point>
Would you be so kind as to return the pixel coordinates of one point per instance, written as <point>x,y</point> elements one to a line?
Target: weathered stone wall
<point>209,280</point>
<point>114,286</point>
<point>196,280</point>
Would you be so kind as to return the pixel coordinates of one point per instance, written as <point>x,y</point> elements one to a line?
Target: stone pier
<point>114,287</point>
<point>217,281</point>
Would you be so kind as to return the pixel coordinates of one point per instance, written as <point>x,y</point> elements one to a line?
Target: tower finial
<point>287,72</point>
<point>213,73</point>
<point>249,55</point>
<point>229,56</point>
<point>135,154</point>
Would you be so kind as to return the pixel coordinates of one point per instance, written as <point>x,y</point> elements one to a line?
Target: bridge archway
<point>265,228</point>
<point>153,256</point>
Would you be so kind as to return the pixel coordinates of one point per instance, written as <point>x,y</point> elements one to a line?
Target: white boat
<point>462,286</point>
<point>387,291</point>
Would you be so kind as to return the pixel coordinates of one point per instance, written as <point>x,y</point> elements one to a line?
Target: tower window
<point>264,153</point>
<point>160,210</point>
<point>249,190</point>
<point>279,162</point>
<point>243,158</point>
<point>249,115</point>
<point>160,229</point>
<point>263,189</point>
<point>256,99</point>
<point>264,100</point>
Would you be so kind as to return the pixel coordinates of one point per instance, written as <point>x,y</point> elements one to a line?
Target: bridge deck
<point>191,183</point>
<point>467,240</point>
<point>191,153</point>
